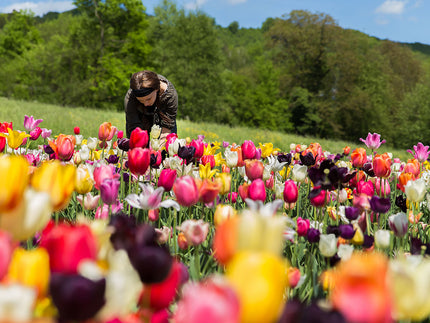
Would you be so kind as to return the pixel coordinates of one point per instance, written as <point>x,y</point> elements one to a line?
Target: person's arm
<point>168,110</point>
<point>133,118</point>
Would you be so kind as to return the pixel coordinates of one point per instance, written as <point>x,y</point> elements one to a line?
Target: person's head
<point>145,86</point>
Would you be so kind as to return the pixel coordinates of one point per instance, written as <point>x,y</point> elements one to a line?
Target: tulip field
<point>104,228</point>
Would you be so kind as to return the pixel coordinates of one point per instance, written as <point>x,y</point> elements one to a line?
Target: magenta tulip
<point>109,190</point>
<point>248,150</point>
<point>200,147</point>
<point>138,138</point>
<point>167,178</point>
<point>257,190</point>
<point>291,192</point>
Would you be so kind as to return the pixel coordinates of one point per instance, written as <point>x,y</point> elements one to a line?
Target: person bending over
<point>151,100</point>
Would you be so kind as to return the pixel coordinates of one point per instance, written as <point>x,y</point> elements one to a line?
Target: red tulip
<point>138,138</point>
<point>186,191</point>
<point>198,144</point>
<point>248,149</point>
<point>106,131</point>
<point>321,199</point>
<point>291,192</point>
<point>67,246</point>
<point>138,160</point>
<point>254,169</point>
<point>208,159</point>
<point>167,178</point>
<point>76,130</point>
<point>257,190</point>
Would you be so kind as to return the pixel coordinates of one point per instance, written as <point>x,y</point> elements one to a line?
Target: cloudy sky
<point>397,20</point>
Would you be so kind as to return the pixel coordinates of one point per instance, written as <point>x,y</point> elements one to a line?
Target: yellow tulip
<point>211,149</point>
<point>14,138</point>
<point>58,180</point>
<point>14,175</point>
<point>219,160</point>
<point>84,182</point>
<point>223,212</point>
<point>267,149</point>
<point>225,180</point>
<point>30,268</point>
<point>260,281</point>
<point>206,172</point>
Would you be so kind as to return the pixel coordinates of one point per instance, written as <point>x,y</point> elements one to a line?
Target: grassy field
<point>64,119</point>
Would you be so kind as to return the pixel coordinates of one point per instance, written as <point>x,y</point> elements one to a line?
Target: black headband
<point>143,91</point>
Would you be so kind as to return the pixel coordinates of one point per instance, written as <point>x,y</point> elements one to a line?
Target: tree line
<point>301,73</point>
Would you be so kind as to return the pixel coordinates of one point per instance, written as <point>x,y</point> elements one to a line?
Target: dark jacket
<point>162,113</point>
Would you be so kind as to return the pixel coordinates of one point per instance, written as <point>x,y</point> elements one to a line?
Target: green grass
<point>64,119</point>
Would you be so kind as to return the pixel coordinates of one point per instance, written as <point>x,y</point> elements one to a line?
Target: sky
<point>396,20</point>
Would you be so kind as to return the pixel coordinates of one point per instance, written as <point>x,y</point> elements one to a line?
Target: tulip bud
<point>291,192</point>
<point>138,138</point>
<point>254,169</point>
<point>186,191</point>
<point>302,226</point>
<point>138,160</point>
<point>257,190</point>
<point>167,178</point>
<point>328,245</point>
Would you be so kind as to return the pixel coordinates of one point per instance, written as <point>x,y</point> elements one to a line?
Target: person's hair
<point>150,79</point>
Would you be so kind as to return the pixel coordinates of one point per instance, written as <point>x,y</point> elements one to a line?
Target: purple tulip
<point>421,152</point>
<point>398,224</point>
<point>352,213</point>
<point>380,204</point>
<point>313,235</point>
<point>347,231</point>
<point>373,141</point>
<point>31,124</point>
<point>109,190</point>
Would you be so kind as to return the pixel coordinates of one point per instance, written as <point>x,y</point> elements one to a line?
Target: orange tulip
<point>404,178</point>
<point>208,190</point>
<point>63,146</point>
<point>358,157</point>
<point>225,240</point>
<point>360,289</point>
<point>106,131</point>
<point>382,165</point>
<point>412,166</point>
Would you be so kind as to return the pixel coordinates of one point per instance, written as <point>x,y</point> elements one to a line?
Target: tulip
<point>2,144</point>
<point>302,226</point>
<point>138,160</point>
<point>420,152</point>
<point>84,182</point>
<point>373,141</point>
<point>46,133</point>
<point>382,239</point>
<point>244,191</point>
<point>76,130</point>
<point>186,191</point>
<point>150,199</point>
<point>380,204</point>
<point>16,303</point>
<point>84,153</point>
<point>138,138</point>
<point>211,302</point>
<point>199,146</point>
<point>361,201</point>
<point>254,169</point>
<point>293,277</point>
<point>14,138</point>
<point>415,190</point>
<point>398,224</point>
<point>63,147</point>
<point>35,134</point>
<point>231,157</point>
<point>320,199</point>
<point>186,153</point>
<point>167,178</point>
<point>299,173</point>
<point>260,280</point>
<point>257,190</point>
<point>106,131</point>
<point>14,175</point>
<point>358,157</point>
<point>382,187</point>
<point>313,235</point>
<point>291,192</point>
<point>32,216</point>
<point>328,245</point>
<point>366,188</point>
<point>360,283</point>
<point>412,166</point>
<point>170,139</point>
<point>345,251</point>
<point>223,212</point>
<point>88,201</point>
<point>352,213</point>
<point>30,268</point>
<point>104,212</point>
<point>208,159</point>
<point>77,242</point>
<point>206,172</point>
<point>248,149</point>
<point>103,172</point>
<point>174,145</point>
<point>195,231</point>
<point>382,165</point>
<point>77,298</point>
<point>225,181</point>
<point>346,231</point>
<point>109,190</point>
<point>30,123</point>
<point>56,179</point>
<point>208,190</point>
<point>6,250</point>
<point>404,178</point>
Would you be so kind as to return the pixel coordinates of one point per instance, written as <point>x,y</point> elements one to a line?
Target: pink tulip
<point>420,152</point>
<point>186,191</point>
<point>321,199</point>
<point>257,190</point>
<point>291,192</point>
<point>209,302</point>
<point>35,133</point>
<point>302,226</point>
<point>232,197</point>
<point>248,150</point>
<point>171,138</point>
<point>382,189</point>
<point>361,201</point>
<point>106,131</point>
<point>103,212</point>
<point>138,138</point>
<point>46,133</point>
<point>366,188</point>
<point>167,178</point>
<point>373,141</point>
<point>254,169</point>
<point>88,201</point>
<point>6,250</point>
<point>244,191</point>
<point>103,172</point>
<point>195,231</point>
<point>138,160</point>
<point>30,123</point>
